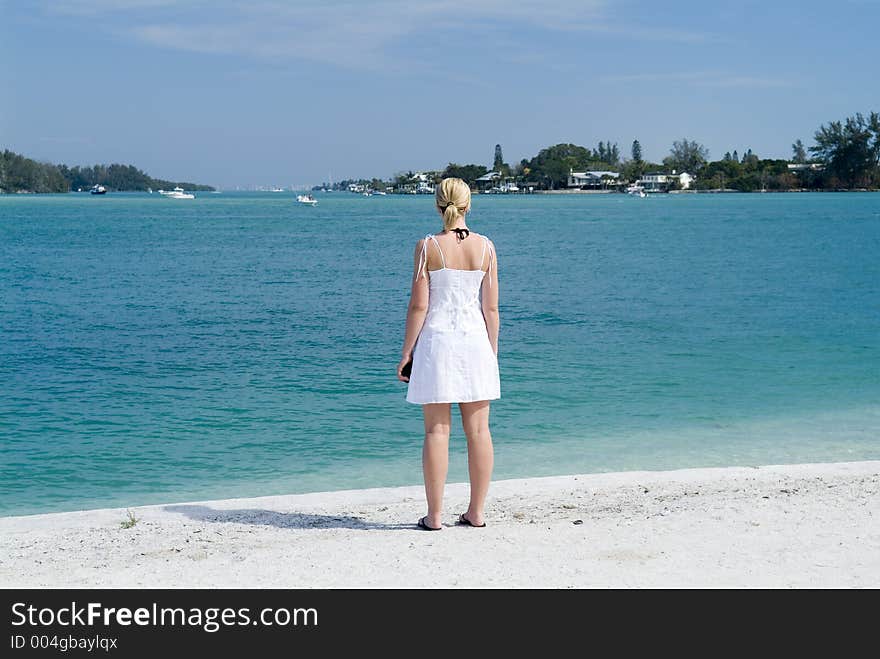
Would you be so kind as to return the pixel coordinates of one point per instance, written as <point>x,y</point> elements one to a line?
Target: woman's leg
<point>481,457</point>
<point>435,458</point>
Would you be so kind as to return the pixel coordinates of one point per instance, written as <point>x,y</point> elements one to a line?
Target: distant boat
<point>636,190</point>
<point>150,190</point>
<point>277,189</point>
<point>98,189</point>
<point>306,199</point>
<point>177,193</point>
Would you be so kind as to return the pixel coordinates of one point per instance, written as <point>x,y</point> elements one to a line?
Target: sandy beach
<point>775,526</point>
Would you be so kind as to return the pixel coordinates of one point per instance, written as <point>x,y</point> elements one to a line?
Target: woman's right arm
<point>489,295</point>
<point>417,309</point>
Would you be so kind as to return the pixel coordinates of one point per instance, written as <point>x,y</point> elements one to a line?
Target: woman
<point>452,340</point>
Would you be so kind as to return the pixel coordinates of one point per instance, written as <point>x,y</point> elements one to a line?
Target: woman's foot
<point>464,520</point>
<point>423,524</point>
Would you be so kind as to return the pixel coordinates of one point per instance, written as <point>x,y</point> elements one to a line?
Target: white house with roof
<point>661,181</point>
<point>591,179</point>
<point>424,184</point>
<point>488,179</point>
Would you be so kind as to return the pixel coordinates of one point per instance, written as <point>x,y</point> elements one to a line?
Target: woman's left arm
<point>417,310</point>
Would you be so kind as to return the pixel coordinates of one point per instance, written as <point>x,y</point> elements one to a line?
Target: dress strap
<point>442,258</point>
<point>423,259</point>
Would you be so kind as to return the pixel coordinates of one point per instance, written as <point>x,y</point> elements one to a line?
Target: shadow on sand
<point>282,520</point>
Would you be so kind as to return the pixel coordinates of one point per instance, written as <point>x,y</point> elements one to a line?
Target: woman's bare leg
<point>481,457</point>
<point>435,458</point>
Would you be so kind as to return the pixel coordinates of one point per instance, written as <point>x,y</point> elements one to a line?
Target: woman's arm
<point>417,310</point>
<point>489,295</point>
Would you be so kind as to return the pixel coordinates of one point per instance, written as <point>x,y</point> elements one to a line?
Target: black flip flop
<point>422,525</point>
<point>464,521</point>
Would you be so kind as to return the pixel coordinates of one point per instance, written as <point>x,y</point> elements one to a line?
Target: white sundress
<point>453,361</point>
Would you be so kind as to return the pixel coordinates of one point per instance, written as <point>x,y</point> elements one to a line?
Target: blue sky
<point>269,92</point>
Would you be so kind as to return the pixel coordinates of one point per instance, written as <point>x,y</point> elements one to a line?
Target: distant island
<point>19,174</point>
<point>845,156</point>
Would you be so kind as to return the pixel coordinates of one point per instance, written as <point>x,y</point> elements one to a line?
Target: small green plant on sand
<point>131,521</point>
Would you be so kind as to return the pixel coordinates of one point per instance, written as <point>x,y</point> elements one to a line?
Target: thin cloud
<point>67,140</point>
<point>656,33</point>
<point>95,7</point>
<point>702,79</point>
<point>348,34</point>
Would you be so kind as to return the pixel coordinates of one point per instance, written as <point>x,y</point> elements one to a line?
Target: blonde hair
<point>453,198</point>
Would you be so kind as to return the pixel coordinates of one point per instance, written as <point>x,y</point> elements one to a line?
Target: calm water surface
<point>155,350</point>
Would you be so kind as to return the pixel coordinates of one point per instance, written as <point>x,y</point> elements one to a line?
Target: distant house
<point>496,183</point>
<point>423,181</point>
<point>661,181</point>
<point>591,180</point>
<point>806,166</point>
<point>488,180</point>
<point>418,183</point>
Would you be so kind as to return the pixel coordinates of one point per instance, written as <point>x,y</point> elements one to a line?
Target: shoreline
<point>575,191</point>
<point>807,525</point>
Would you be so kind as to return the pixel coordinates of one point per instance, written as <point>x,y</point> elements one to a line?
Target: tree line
<point>846,155</point>
<point>21,174</point>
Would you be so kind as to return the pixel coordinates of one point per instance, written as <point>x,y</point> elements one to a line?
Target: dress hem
<point>433,402</point>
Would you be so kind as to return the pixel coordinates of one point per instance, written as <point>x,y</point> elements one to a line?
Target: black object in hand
<point>407,368</point>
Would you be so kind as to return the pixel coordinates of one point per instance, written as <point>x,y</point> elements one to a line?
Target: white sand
<point>780,526</point>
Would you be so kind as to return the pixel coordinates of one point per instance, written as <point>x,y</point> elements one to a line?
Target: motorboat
<point>178,193</point>
<point>98,189</point>
<point>306,199</point>
<point>636,190</point>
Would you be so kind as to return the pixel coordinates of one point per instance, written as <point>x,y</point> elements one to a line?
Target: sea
<point>155,350</point>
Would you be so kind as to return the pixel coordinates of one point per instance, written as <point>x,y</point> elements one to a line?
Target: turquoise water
<point>154,350</point>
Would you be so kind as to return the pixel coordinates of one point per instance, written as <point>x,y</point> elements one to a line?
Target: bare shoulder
<point>420,246</point>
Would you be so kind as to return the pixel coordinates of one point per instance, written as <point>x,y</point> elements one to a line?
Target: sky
<point>293,93</point>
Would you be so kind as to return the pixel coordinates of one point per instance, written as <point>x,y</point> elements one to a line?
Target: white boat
<point>277,189</point>
<point>98,189</point>
<point>178,193</point>
<point>636,190</point>
<point>306,199</point>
